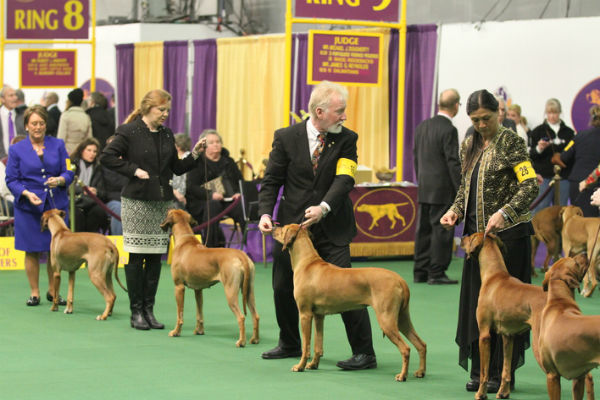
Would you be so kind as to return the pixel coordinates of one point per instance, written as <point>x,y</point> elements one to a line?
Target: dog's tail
<point>248,275</point>
<point>113,258</point>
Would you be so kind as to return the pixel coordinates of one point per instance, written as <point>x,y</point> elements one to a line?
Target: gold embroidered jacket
<point>506,181</point>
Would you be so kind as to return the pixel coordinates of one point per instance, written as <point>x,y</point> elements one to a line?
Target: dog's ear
<point>62,214</point>
<point>583,264</point>
<point>546,279</point>
<point>166,224</point>
<point>289,235</point>
<point>193,222</point>
<point>578,211</point>
<point>472,243</point>
<point>44,223</point>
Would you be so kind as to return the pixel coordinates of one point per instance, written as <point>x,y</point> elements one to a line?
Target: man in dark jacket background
<point>437,166</point>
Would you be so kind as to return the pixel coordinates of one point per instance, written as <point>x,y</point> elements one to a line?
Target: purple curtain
<point>125,95</point>
<point>421,46</point>
<point>175,64</point>
<point>204,87</point>
<point>300,89</point>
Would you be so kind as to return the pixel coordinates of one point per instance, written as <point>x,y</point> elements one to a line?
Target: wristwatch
<point>324,210</point>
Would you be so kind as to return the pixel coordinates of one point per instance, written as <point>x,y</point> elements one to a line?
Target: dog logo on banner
<point>587,97</point>
<point>384,213</point>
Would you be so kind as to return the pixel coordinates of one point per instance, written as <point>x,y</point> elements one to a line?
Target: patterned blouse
<point>506,181</point>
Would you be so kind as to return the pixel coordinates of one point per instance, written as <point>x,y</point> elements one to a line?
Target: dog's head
<point>48,214</point>
<point>174,216</point>
<point>570,270</point>
<point>569,211</point>
<point>286,235</point>
<point>473,243</point>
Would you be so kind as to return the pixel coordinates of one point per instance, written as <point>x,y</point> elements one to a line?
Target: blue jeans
<point>549,199</point>
<point>116,228</point>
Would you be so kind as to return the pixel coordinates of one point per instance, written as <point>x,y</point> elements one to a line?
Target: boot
<point>152,275</point>
<point>134,275</point>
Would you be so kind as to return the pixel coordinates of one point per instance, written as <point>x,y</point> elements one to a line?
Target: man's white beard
<point>337,128</point>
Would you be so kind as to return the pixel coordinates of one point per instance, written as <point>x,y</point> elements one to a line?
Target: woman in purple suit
<point>38,174</point>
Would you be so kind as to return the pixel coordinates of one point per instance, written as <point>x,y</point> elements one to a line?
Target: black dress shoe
<point>33,301</point>
<point>358,361</point>
<point>61,301</point>
<point>473,386</point>
<point>442,280</point>
<point>420,279</point>
<point>279,352</point>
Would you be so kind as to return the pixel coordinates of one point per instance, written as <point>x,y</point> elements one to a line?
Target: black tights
<point>140,258</point>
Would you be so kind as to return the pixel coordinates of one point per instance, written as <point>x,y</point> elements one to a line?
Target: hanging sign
<point>362,10</point>
<point>47,19</point>
<point>348,58</point>
<point>47,68</point>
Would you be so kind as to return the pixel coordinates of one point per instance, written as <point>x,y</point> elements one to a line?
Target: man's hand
<point>265,225</point>
<point>312,215</point>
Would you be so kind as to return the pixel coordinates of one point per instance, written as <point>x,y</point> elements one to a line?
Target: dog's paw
<point>480,396</point>
<point>420,374</point>
<point>298,368</point>
<point>240,343</point>
<point>198,332</point>
<point>101,318</point>
<point>67,311</point>
<point>174,333</point>
<point>400,377</point>
<point>54,308</point>
<point>312,365</point>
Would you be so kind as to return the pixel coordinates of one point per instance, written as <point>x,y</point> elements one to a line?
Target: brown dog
<point>569,341</point>
<point>580,234</point>
<point>321,288</point>
<point>69,250</point>
<point>506,304</point>
<point>547,224</point>
<point>198,267</point>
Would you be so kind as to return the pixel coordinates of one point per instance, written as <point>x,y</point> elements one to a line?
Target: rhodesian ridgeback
<point>505,304</point>
<point>580,234</point>
<point>547,224</point>
<point>198,267</point>
<point>68,250</point>
<point>569,341</point>
<point>321,288</point>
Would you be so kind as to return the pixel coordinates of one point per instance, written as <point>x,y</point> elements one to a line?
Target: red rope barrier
<point>217,217</point>
<point>541,197</point>
<point>110,212</point>
<point>8,222</point>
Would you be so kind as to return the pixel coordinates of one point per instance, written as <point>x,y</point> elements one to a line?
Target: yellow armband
<point>68,163</point>
<point>346,166</point>
<point>568,146</point>
<point>524,171</point>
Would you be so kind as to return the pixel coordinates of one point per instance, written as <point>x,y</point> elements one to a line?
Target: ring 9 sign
<point>47,19</point>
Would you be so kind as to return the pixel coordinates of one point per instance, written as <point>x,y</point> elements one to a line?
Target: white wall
<point>107,37</point>
<point>533,60</point>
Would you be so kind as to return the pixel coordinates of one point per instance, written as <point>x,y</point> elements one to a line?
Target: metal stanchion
<point>556,179</point>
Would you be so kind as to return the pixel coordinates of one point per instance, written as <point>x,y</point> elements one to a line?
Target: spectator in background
<point>113,185</point>
<point>50,101</point>
<point>89,215</point>
<point>11,122</point>
<point>216,178</point>
<point>75,125</point>
<point>549,138</point>
<point>102,124</point>
<point>583,155</point>
<point>438,173</point>
<point>514,114</point>
<point>183,143</point>
<point>21,106</point>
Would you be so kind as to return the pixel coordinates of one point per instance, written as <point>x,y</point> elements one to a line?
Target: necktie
<point>11,128</point>
<point>318,150</point>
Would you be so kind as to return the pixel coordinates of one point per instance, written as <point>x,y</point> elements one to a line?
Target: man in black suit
<point>11,121</point>
<point>51,104</point>
<point>438,174</point>
<point>316,191</point>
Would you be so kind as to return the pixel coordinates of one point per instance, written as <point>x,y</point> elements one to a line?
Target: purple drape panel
<point>175,64</point>
<point>125,95</point>
<point>204,87</point>
<point>300,89</point>
<point>421,46</point>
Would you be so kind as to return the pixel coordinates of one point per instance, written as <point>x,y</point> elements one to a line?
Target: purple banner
<point>587,97</point>
<point>365,10</point>
<point>384,214</point>
<point>47,19</point>
<point>48,68</point>
<point>344,58</point>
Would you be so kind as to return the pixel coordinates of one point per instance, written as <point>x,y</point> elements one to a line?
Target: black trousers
<point>582,199</point>
<point>433,243</point>
<point>356,322</point>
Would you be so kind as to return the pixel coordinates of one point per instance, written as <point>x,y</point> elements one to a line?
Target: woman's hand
<point>199,146</point>
<point>93,190</point>
<point>54,181</point>
<point>265,225</point>
<point>582,185</point>
<point>141,174</point>
<point>449,219</point>
<point>495,223</point>
<point>217,196</point>
<point>596,198</point>
<point>180,198</point>
<point>236,195</point>
<point>32,197</point>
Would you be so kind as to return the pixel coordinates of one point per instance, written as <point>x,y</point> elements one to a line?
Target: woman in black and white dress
<point>144,151</point>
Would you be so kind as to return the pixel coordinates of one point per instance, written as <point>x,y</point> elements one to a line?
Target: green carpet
<point>50,355</point>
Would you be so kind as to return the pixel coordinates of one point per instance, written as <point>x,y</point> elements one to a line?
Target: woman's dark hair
<point>76,155</point>
<point>478,99</point>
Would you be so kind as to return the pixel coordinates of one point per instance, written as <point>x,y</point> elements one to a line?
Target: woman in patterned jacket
<point>497,186</point>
